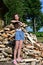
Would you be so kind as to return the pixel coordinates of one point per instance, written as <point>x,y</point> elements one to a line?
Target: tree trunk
<point>34,25</point>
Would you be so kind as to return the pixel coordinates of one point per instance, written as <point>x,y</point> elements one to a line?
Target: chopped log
<point>0,54</point>
<point>5,41</point>
<point>5,59</point>
<point>11,32</point>
<point>8,50</point>
<point>0,42</point>
<point>4,35</point>
<point>42,54</point>
<point>31,47</point>
<point>32,41</point>
<point>1,39</point>
<point>28,60</point>
<point>3,48</point>
<point>7,29</point>
<point>37,45</point>
<point>5,53</point>
<point>1,31</point>
<point>33,63</point>
<point>2,45</point>
<point>22,63</point>
<point>25,49</point>
<point>42,62</point>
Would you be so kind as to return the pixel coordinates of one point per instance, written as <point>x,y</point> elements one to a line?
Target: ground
<point>9,63</point>
<point>4,63</point>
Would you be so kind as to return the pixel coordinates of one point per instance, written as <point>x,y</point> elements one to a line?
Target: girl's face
<point>16,17</point>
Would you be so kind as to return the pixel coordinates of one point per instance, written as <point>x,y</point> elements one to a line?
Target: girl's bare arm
<point>13,21</point>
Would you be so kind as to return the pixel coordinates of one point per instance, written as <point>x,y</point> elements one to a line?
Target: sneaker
<point>19,60</point>
<point>15,62</point>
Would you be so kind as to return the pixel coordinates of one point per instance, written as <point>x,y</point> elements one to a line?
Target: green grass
<point>38,34</point>
<point>40,39</point>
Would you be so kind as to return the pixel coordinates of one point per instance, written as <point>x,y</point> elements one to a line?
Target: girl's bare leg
<point>16,48</point>
<point>19,49</point>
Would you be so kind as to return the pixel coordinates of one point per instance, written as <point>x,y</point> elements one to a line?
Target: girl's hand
<point>21,23</point>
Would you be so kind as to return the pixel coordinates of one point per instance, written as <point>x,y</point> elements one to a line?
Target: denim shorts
<point>19,35</point>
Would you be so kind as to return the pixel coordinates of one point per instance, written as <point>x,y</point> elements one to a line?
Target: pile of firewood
<point>6,42</point>
<point>30,49</point>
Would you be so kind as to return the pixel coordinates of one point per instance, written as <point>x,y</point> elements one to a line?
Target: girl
<point>19,37</point>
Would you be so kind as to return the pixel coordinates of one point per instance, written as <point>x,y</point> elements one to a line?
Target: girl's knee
<point>16,47</point>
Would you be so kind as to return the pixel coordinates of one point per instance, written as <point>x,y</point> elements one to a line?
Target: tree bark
<point>34,25</point>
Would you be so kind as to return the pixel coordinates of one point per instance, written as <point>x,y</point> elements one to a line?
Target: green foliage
<point>38,34</point>
<point>34,7</point>
<point>30,8</point>
<point>34,12</point>
<point>15,6</point>
<point>42,19</point>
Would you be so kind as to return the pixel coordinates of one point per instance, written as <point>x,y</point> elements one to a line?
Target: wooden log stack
<point>30,49</point>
